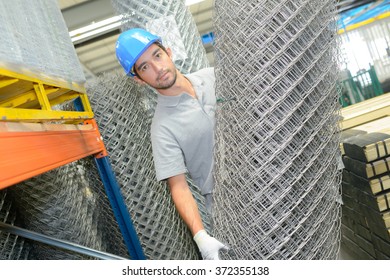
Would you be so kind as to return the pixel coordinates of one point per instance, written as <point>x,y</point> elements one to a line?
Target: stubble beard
<point>167,84</point>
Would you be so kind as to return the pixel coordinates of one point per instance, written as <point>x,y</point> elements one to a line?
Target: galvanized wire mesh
<point>62,203</point>
<point>121,106</point>
<point>277,182</point>
<point>12,247</point>
<point>66,204</point>
<point>69,202</point>
<point>123,111</point>
<point>35,41</point>
<point>172,15</point>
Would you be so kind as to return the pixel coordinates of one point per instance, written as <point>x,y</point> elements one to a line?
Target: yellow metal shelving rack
<point>35,138</point>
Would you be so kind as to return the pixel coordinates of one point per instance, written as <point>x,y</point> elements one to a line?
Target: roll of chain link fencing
<point>124,112</point>
<point>277,141</point>
<point>70,204</point>
<point>35,42</point>
<point>12,247</point>
<point>173,22</point>
<point>62,203</point>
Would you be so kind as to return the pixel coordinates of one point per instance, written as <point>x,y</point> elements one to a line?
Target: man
<point>182,129</point>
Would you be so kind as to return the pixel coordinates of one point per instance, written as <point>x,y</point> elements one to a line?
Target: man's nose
<point>156,66</point>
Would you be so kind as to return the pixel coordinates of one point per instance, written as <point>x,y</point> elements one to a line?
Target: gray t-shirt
<point>183,132</point>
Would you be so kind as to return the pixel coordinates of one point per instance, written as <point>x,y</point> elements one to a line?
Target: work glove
<point>208,246</point>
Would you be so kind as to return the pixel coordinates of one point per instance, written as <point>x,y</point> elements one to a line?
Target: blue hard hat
<point>131,44</point>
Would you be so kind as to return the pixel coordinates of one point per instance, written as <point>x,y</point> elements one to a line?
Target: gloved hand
<point>208,246</point>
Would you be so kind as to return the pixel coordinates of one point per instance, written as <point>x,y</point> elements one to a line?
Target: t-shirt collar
<point>173,101</point>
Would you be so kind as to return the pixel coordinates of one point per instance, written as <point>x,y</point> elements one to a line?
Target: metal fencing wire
<point>171,20</point>
<point>66,204</point>
<point>69,203</point>
<point>123,111</point>
<point>277,140</point>
<point>12,247</point>
<point>35,41</point>
<point>61,203</point>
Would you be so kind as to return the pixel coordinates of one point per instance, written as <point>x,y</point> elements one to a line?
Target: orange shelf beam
<point>30,149</point>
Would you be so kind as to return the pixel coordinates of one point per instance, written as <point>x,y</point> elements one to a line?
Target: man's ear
<point>139,81</point>
<point>169,52</point>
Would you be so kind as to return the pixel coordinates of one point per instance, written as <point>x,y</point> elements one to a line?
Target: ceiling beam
<point>87,12</point>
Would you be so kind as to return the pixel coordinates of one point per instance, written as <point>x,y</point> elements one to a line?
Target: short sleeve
<point>167,155</point>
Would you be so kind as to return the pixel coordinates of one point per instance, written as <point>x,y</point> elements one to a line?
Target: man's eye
<point>144,68</point>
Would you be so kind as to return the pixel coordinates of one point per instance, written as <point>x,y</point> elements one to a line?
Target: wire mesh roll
<point>35,42</point>
<point>123,111</point>
<point>65,204</point>
<point>12,247</point>
<point>61,203</point>
<point>161,231</point>
<point>173,14</point>
<point>69,203</point>
<point>277,181</point>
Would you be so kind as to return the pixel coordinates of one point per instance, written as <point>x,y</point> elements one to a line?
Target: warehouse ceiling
<point>96,52</point>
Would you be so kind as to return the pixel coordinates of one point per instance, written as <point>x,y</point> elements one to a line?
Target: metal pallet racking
<point>35,138</point>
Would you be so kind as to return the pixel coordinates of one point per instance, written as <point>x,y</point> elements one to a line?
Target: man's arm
<point>185,203</point>
<point>188,210</point>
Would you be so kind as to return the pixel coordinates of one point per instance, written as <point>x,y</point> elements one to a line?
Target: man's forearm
<point>185,203</point>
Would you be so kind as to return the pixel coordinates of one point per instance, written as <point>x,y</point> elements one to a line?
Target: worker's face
<point>156,68</point>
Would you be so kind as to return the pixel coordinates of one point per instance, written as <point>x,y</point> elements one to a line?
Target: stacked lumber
<point>365,112</point>
<point>365,147</point>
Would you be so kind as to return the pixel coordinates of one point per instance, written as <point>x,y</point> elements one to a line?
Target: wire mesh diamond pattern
<point>277,181</point>
<point>123,111</point>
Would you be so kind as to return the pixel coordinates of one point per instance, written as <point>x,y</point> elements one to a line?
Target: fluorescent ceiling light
<point>95,28</point>
<point>92,33</point>
<point>95,25</point>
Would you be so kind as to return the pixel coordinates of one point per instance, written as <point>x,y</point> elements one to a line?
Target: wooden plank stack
<point>365,150</point>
